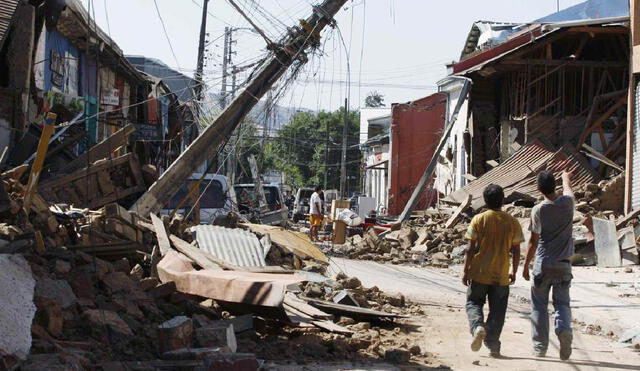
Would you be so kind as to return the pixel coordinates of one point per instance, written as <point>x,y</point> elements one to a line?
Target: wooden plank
<point>40,248</point>
<point>200,257</point>
<point>100,150</point>
<point>332,327</point>
<point>600,157</point>
<point>47,129</point>
<point>161,234</point>
<point>455,217</point>
<point>601,119</point>
<point>104,181</point>
<point>627,218</point>
<point>113,210</point>
<point>94,168</point>
<point>292,301</point>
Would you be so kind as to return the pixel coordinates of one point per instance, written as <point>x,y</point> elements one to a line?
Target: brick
<point>217,335</point>
<point>174,334</point>
<point>50,316</point>
<point>162,291</point>
<point>106,324</point>
<point>148,283</point>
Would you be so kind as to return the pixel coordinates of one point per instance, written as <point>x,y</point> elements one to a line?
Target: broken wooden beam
<point>455,217</point>
<point>101,150</point>
<point>47,130</point>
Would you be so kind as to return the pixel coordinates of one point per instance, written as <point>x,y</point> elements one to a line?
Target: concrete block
<point>18,309</point>
<point>57,290</point>
<point>240,323</point>
<point>174,334</point>
<point>217,335</point>
<point>606,243</point>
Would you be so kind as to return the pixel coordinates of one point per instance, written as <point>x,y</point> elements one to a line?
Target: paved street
<point>446,333</point>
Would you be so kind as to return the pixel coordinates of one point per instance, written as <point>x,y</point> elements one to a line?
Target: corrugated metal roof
<point>7,9</point>
<point>518,173</point>
<point>236,246</point>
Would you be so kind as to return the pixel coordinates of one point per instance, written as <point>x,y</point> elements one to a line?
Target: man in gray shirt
<point>552,244</point>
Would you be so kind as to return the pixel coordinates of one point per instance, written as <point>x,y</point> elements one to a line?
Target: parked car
<point>301,203</point>
<point>277,213</point>
<point>213,199</point>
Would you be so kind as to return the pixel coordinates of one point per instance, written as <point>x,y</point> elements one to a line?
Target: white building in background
<point>375,125</point>
<point>452,161</point>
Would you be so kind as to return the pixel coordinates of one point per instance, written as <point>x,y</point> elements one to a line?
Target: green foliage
<point>248,144</point>
<point>299,150</point>
<point>374,99</point>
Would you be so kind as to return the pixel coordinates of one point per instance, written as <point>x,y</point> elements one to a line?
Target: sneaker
<point>540,353</point>
<point>565,345</point>
<point>478,336</point>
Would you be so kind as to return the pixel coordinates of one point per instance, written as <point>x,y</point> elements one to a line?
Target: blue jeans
<point>543,282</point>
<point>477,293</point>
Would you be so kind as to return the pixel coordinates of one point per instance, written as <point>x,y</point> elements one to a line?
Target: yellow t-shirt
<point>494,232</point>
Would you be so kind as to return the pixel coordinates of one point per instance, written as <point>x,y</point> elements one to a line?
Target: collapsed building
<point>544,96</point>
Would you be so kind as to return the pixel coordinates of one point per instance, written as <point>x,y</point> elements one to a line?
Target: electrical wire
<point>166,34</point>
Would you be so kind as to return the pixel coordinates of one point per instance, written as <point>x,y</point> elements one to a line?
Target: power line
<point>166,34</point>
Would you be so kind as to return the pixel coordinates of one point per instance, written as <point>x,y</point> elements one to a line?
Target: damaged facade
<point>562,84</point>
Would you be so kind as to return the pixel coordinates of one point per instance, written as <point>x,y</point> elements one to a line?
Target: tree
<point>299,149</point>
<point>374,99</point>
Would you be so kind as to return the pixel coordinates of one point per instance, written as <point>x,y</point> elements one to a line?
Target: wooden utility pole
<point>343,162</point>
<point>291,50</point>
<point>200,66</point>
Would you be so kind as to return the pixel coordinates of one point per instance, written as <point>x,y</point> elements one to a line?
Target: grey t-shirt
<point>553,221</point>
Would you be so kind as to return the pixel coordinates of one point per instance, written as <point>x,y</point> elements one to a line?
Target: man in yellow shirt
<point>492,235</point>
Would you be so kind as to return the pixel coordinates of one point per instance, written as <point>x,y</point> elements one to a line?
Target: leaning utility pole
<point>225,51</point>
<point>200,66</point>
<point>343,162</point>
<point>289,50</point>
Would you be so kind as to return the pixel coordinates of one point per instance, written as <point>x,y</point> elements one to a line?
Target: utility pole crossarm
<point>206,145</point>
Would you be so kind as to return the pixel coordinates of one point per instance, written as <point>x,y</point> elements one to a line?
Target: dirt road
<point>446,332</point>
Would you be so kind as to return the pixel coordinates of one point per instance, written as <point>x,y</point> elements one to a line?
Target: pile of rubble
<point>435,237</point>
<point>107,289</point>
<point>423,240</point>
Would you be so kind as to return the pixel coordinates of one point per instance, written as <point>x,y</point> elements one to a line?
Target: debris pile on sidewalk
<point>423,240</point>
<point>107,289</point>
<point>435,237</point>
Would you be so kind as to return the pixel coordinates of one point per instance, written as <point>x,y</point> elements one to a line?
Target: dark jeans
<point>477,294</point>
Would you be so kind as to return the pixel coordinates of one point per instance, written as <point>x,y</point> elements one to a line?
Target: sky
<point>396,47</point>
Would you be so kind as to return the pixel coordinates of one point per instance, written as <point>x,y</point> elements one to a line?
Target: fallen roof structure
<point>230,286</point>
<point>297,243</point>
<point>517,174</point>
<point>236,246</point>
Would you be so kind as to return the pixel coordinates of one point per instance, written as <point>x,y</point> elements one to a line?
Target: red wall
<point>416,128</point>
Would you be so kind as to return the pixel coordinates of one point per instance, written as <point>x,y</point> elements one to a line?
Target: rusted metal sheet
<point>296,242</point>
<point>7,10</point>
<point>230,286</point>
<point>416,129</point>
<point>517,175</point>
<point>236,246</point>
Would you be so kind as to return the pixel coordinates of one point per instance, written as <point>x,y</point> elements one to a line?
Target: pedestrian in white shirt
<point>315,213</point>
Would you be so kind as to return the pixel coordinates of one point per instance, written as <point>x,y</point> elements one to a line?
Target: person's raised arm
<point>566,184</point>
